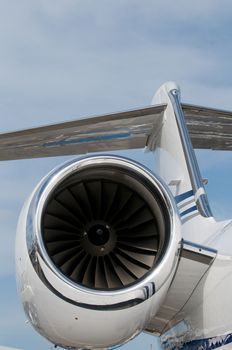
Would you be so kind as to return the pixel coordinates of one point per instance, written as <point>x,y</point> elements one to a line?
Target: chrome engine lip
<point>107,299</point>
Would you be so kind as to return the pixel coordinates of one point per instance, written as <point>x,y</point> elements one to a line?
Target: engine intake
<point>105,226</point>
<point>97,247</point>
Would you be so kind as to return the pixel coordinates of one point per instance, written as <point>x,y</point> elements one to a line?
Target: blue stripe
<point>183,196</point>
<point>87,139</point>
<point>208,343</point>
<point>199,246</point>
<point>190,210</point>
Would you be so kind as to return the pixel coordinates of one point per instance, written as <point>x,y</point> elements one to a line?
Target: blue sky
<point>62,59</point>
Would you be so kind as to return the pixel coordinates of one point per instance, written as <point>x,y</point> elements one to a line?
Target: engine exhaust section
<point>97,247</point>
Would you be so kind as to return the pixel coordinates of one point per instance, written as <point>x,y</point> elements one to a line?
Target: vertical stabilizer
<point>175,158</point>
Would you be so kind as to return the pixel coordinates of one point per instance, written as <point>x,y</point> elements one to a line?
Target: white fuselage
<point>205,320</point>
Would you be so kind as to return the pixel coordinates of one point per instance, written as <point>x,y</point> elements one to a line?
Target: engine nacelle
<point>97,247</point>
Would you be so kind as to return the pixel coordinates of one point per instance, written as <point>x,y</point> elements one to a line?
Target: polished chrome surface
<point>50,274</point>
<point>104,227</point>
<point>191,161</point>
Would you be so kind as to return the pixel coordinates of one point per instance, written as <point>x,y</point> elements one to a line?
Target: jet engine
<point>97,247</point>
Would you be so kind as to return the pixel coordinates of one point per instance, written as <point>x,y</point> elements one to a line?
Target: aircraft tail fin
<point>176,162</point>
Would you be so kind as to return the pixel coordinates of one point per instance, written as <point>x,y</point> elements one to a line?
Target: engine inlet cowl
<point>105,225</point>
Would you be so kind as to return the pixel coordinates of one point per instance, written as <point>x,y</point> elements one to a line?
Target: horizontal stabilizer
<point>208,129</point>
<point>124,130</point>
